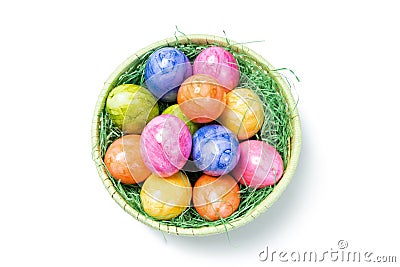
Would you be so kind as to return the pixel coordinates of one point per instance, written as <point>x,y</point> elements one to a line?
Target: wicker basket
<point>294,143</point>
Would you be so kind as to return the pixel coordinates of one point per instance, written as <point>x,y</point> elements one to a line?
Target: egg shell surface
<point>165,145</point>
<point>216,197</point>
<point>243,114</point>
<point>260,164</point>
<point>165,71</point>
<point>130,107</point>
<point>215,150</point>
<point>220,64</point>
<point>201,98</point>
<point>124,162</point>
<point>164,198</point>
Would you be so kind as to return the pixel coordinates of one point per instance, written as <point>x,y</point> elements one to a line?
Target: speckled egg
<point>215,198</point>
<point>165,145</point>
<point>124,161</point>
<point>215,150</point>
<point>165,71</point>
<point>201,98</point>
<point>260,164</point>
<point>130,107</point>
<point>219,63</point>
<point>244,113</point>
<point>164,198</point>
<point>176,111</point>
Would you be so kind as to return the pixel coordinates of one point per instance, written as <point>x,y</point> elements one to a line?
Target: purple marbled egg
<point>165,145</point>
<point>215,150</point>
<point>165,71</point>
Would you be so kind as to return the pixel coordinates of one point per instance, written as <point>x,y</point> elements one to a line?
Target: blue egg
<point>165,71</point>
<point>215,150</point>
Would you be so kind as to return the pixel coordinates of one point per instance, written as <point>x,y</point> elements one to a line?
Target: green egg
<point>131,107</point>
<point>176,111</point>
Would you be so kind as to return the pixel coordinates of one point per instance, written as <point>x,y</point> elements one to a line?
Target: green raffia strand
<point>276,131</point>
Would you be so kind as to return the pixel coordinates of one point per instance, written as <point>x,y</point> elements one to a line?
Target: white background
<point>54,58</point>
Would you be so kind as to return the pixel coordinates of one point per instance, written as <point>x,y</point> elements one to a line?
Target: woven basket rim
<point>294,143</point>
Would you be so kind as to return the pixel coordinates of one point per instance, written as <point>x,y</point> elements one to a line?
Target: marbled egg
<point>201,98</point>
<point>260,164</point>
<point>176,111</point>
<point>130,107</point>
<point>124,162</point>
<point>166,198</point>
<point>165,71</point>
<point>215,150</point>
<point>219,63</point>
<point>244,113</point>
<point>216,197</point>
<point>165,145</point>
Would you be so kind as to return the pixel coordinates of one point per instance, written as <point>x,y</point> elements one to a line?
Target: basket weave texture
<point>294,142</point>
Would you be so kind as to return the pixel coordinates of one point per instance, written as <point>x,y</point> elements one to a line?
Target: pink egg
<point>220,64</point>
<point>260,164</point>
<point>165,145</point>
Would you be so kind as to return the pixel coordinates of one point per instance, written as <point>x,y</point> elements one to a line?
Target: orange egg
<point>244,113</point>
<point>166,198</point>
<point>124,161</point>
<point>215,198</point>
<point>201,98</point>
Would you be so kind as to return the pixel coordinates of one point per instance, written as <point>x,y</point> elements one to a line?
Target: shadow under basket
<point>248,61</point>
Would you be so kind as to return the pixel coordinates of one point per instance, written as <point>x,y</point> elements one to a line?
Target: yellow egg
<point>166,198</point>
<point>243,114</point>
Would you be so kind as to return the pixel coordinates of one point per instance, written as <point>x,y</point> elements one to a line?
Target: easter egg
<point>130,107</point>
<point>165,145</point>
<point>165,71</point>
<point>164,198</point>
<point>215,150</point>
<point>244,113</point>
<point>215,198</point>
<point>176,111</point>
<point>201,98</point>
<point>260,164</point>
<point>219,63</point>
<point>124,161</point>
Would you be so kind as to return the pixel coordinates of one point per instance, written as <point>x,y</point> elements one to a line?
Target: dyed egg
<point>260,164</point>
<point>166,198</point>
<point>215,198</point>
<point>201,98</point>
<point>215,150</point>
<point>130,107</point>
<point>165,71</point>
<point>220,64</point>
<point>176,111</point>
<point>124,162</point>
<point>244,113</point>
<point>165,145</point>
